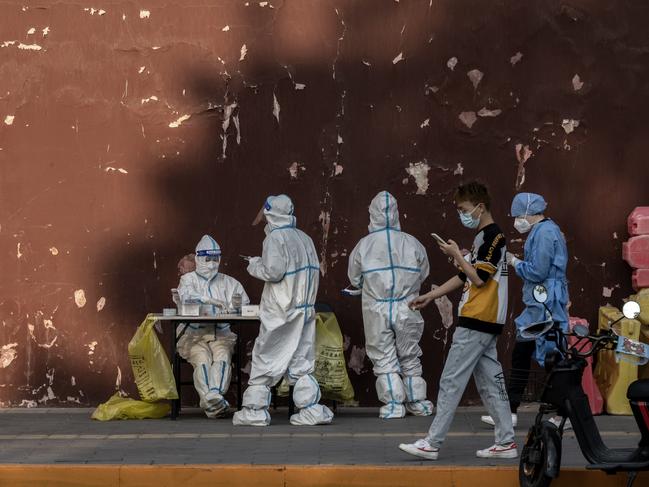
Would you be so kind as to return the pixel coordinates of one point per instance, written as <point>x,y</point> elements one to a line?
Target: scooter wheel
<point>533,461</point>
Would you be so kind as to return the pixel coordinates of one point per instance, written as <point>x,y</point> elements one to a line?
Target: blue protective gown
<point>545,262</point>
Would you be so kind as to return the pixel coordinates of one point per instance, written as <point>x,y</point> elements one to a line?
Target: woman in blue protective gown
<point>544,262</point>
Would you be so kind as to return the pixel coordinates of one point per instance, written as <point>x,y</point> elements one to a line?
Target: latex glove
<point>512,260</point>
<point>215,302</point>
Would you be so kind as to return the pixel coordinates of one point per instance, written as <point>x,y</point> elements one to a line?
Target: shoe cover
<point>313,415</point>
<point>256,397</point>
<point>254,412</point>
<point>216,405</point>
<point>251,417</point>
<point>416,403</point>
<point>391,392</point>
<point>306,395</point>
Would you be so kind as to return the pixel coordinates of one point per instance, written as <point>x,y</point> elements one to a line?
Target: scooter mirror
<point>580,330</point>
<point>540,293</point>
<point>631,310</point>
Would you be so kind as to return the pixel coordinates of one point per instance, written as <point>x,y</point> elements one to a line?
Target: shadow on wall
<point>325,126</point>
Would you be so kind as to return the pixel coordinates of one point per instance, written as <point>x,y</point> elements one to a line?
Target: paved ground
<point>357,437</point>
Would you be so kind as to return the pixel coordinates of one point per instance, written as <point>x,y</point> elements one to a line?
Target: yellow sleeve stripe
<point>486,266</point>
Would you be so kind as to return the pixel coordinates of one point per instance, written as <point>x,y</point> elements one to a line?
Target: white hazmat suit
<point>285,346</point>
<point>209,347</point>
<point>390,266</point>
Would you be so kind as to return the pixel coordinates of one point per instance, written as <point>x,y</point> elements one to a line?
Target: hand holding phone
<point>245,257</point>
<point>439,239</point>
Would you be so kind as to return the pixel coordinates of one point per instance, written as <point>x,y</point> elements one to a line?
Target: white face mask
<point>206,269</point>
<point>522,225</point>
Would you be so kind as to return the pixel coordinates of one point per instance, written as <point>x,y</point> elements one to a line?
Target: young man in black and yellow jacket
<point>482,314</point>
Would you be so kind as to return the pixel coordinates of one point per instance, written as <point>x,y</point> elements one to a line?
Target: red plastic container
<point>636,252</point>
<point>588,381</point>
<point>638,221</point>
<point>640,279</point>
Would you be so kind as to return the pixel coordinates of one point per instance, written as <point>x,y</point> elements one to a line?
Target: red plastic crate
<point>640,279</point>
<point>635,252</point>
<point>588,381</point>
<point>638,221</point>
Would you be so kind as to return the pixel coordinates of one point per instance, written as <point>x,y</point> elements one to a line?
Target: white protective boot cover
<point>416,403</point>
<point>306,395</point>
<point>254,412</point>
<point>391,392</point>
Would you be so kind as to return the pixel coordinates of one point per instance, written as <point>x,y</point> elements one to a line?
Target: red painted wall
<point>128,130</point>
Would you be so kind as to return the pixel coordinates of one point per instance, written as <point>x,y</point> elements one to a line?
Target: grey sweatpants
<point>472,352</point>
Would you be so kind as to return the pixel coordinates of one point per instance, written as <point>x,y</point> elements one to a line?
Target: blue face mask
<point>468,220</point>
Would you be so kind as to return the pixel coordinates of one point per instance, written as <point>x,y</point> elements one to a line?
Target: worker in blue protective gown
<point>544,262</point>
<point>390,266</point>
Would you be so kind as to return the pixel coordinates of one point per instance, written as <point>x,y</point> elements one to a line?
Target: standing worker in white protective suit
<point>286,343</point>
<point>209,347</point>
<point>390,266</point>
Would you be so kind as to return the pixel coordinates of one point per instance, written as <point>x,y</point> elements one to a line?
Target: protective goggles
<point>211,255</point>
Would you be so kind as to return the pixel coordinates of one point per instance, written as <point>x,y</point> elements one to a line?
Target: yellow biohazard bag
<point>118,407</point>
<point>330,367</point>
<point>151,367</point>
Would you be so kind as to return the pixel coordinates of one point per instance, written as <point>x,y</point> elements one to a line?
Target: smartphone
<point>439,239</point>
<point>245,257</point>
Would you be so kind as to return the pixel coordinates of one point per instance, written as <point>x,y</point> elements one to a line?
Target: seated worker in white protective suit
<point>390,266</point>
<point>286,343</point>
<point>209,347</point>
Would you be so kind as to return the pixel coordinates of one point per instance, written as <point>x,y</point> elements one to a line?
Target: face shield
<point>261,217</point>
<point>207,262</point>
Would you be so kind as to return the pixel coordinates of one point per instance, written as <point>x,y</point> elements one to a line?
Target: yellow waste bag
<point>151,367</point>
<point>118,407</point>
<point>330,367</point>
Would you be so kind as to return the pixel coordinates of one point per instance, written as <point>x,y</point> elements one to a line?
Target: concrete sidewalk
<point>357,437</point>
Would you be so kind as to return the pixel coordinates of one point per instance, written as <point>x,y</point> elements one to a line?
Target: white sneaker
<point>557,422</point>
<point>490,421</point>
<point>499,451</point>
<point>421,449</point>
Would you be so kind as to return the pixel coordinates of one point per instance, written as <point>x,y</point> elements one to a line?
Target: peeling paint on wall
<point>516,58</point>
<point>577,83</point>
<point>356,360</point>
<point>178,122</point>
<point>8,354</point>
<point>80,298</point>
<point>276,108</point>
<point>475,75</point>
<point>569,126</point>
<point>419,172</point>
<point>484,112</point>
<point>523,153</point>
<point>468,118</point>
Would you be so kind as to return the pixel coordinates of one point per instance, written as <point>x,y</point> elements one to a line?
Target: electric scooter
<point>540,460</point>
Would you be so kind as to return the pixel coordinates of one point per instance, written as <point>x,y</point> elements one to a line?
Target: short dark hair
<point>473,192</point>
